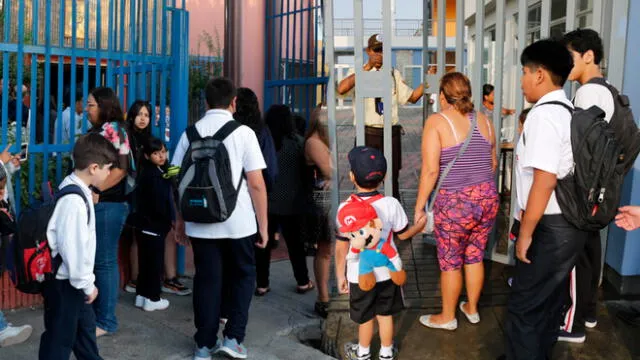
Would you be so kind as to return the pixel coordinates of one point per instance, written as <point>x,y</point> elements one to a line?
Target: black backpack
<point>31,252</point>
<point>206,188</point>
<point>623,124</point>
<point>589,195</point>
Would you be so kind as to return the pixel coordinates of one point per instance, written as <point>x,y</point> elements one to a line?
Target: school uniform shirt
<point>394,220</point>
<point>589,95</point>
<point>244,155</point>
<point>545,145</point>
<point>401,94</point>
<point>73,236</point>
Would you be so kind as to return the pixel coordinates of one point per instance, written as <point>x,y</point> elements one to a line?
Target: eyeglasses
<point>377,50</point>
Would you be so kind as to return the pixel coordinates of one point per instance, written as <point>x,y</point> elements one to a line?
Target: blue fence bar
<point>59,59</point>
<point>294,52</point>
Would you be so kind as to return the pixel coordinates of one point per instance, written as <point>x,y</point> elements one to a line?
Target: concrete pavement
<point>281,325</point>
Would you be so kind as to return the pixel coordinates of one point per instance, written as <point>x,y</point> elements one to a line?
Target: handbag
<point>428,229</point>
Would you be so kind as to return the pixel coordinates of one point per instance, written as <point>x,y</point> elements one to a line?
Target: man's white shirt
<point>244,154</point>
<point>589,95</point>
<point>547,134</point>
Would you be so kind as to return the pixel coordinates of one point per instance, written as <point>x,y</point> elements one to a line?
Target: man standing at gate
<point>374,107</point>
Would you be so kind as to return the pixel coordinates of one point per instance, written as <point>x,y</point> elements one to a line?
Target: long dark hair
<point>133,112</point>
<point>248,110</point>
<point>108,105</point>
<point>318,125</point>
<point>280,121</point>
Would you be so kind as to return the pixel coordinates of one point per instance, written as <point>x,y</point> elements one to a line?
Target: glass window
<point>558,9</point>
<point>557,30</point>
<point>533,19</point>
<point>585,20</point>
<point>585,5</point>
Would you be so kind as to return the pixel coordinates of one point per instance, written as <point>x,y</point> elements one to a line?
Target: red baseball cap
<point>355,214</point>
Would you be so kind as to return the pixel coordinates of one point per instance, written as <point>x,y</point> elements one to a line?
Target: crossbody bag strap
<point>463,148</point>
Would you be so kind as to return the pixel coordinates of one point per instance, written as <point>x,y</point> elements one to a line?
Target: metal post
<point>426,21</point>
<point>460,35</point>
<point>545,19</point>
<point>331,102</point>
<point>358,40</point>
<point>442,32</point>
<point>388,87</point>
<point>232,50</point>
<point>497,109</point>
<point>478,58</point>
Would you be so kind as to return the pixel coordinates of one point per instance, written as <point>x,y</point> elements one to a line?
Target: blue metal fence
<point>60,49</point>
<point>295,73</point>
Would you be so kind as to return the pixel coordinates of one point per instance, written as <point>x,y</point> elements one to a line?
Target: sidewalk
<point>279,323</point>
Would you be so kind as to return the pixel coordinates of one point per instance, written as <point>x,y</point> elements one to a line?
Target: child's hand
<point>6,156</point>
<point>343,285</point>
<point>179,233</point>
<point>421,222</point>
<point>93,296</point>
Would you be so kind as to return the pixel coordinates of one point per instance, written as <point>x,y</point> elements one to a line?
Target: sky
<point>405,9</point>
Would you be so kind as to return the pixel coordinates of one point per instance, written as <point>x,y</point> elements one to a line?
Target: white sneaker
<point>140,301</point>
<point>155,305</point>
<point>12,335</point>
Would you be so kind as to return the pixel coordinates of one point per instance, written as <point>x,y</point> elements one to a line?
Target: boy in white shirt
<point>70,323</point>
<point>381,217</point>
<point>586,48</point>
<point>547,245</point>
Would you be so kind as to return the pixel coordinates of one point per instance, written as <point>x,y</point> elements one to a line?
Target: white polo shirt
<point>547,133</point>
<point>244,154</point>
<point>401,94</point>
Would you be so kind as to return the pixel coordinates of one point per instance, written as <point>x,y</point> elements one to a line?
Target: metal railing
<point>401,27</point>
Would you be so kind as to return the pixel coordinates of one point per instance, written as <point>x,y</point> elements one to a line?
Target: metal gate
<point>489,38</point>
<point>295,73</point>
<point>56,51</point>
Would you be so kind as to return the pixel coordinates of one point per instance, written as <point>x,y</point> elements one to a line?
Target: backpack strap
<point>569,108</point>
<point>226,130</point>
<point>193,134</point>
<point>74,189</point>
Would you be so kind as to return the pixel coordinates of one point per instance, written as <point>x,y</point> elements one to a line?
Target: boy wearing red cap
<point>370,216</point>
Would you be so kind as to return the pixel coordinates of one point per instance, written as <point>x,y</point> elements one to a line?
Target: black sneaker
<point>590,322</point>
<point>572,337</point>
<point>322,309</point>
<point>351,352</point>
<point>174,286</point>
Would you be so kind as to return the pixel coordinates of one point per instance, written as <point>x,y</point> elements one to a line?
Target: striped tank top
<point>473,167</point>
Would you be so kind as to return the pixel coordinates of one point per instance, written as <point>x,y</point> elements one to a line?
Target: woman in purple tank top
<point>466,204</point>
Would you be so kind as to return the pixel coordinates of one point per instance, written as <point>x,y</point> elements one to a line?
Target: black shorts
<point>384,299</point>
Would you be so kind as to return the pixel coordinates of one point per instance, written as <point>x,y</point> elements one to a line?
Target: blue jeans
<point>110,219</point>
<point>3,322</point>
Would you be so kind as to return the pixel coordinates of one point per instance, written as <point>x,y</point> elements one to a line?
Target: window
<point>585,5</point>
<point>558,9</point>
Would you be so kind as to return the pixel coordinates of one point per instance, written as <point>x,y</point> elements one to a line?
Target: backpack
<point>623,124</point>
<point>33,264</point>
<point>206,189</point>
<point>589,195</point>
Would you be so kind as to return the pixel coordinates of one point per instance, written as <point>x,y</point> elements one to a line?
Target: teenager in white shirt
<point>224,252</point>
<point>547,245</point>
<point>69,319</point>
<point>587,51</point>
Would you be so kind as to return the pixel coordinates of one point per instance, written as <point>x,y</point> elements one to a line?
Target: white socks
<point>386,351</point>
<point>362,350</point>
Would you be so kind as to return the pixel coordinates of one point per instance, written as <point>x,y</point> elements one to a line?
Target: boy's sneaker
<point>393,356</point>
<point>12,335</point>
<point>574,337</point>
<point>140,301</point>
<point>204,353</point>
<point>149,305</point>
<point>174,286</point>
<point>131,286</point>
<point>590,322</point>
<point>351,352</point>
<point>231,348</point>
